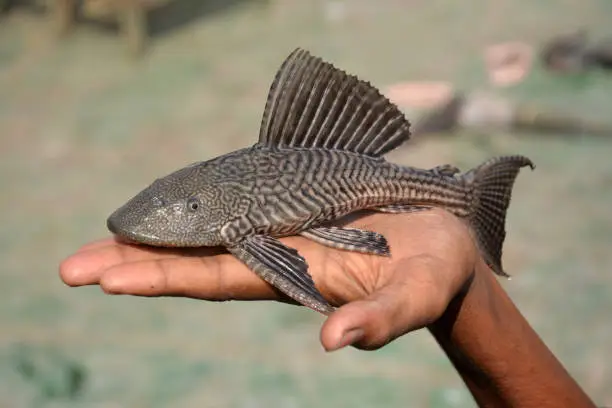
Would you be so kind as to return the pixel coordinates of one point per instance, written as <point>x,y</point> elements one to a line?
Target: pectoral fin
<point>350,239</point>
<point>282,267</point>
<point>402,208</point>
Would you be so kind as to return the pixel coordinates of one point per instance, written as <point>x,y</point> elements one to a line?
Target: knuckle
<point>380,327</point>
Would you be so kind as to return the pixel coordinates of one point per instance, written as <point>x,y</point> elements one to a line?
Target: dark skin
<point>435,279</point>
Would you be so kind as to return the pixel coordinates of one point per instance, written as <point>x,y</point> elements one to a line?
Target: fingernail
<point>349,337</point>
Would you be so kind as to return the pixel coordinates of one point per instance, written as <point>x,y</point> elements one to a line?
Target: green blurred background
<point>84,125</point>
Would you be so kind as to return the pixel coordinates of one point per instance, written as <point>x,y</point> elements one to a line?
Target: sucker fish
<point>318,158</point>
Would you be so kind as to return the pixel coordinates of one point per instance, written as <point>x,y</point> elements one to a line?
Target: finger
<point>414,298</point>
<point>212,278</point>
<point>99,243</point>
<point>86,266</point>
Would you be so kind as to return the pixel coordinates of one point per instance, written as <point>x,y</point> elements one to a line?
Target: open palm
<point>432,258</point>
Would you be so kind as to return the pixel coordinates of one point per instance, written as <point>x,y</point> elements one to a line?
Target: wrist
<point>473,308</point>
<point>497,353</point>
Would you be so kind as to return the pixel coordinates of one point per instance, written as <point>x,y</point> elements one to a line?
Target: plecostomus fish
<point>318,158</point>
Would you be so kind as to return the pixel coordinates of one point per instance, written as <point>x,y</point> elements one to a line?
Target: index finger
<point>218,278</point>
<point>144,271</point>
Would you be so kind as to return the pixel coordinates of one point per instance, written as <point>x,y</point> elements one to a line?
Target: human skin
<point>435,279</point>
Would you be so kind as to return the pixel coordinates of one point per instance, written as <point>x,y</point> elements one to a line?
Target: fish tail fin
<point>492,184</point>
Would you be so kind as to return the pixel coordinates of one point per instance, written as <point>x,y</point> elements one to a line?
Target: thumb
<point>414,298</point>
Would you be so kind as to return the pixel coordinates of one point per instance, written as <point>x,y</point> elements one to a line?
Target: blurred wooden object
<point>486,111</point>
<point>131,15</point>
<point>63,16</point>
<point>545,121</point>
<point>134,25</point>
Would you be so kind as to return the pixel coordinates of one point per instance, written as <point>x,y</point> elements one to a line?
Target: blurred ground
<point>83,127</point>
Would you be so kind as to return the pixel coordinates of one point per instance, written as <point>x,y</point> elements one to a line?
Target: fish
<point>318,158</point>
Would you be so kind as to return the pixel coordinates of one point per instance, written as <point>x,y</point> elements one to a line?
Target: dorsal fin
<point>311,103</point>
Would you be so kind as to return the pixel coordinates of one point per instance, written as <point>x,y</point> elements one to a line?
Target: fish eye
<point>193,204</point>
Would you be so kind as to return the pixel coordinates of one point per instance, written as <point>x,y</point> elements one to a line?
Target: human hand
<point>432,259</point>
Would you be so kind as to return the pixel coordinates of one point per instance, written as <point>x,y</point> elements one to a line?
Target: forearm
<point>499,356</point>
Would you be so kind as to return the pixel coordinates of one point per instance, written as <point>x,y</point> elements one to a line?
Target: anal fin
<point>282,267</point>
<point>350,239</point>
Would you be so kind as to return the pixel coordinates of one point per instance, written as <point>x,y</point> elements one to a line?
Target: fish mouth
<point>131,237</point>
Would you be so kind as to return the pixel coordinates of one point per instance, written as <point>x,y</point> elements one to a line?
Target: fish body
<point>318,158</point>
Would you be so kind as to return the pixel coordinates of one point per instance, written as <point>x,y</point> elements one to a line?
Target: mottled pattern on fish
<point>318,158</point>
<point>285,191</point>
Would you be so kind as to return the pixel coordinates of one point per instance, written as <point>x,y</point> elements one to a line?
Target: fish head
<point>174,211</point>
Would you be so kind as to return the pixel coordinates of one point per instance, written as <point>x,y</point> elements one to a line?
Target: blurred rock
<point>566,53</point>
<point>571,53</point>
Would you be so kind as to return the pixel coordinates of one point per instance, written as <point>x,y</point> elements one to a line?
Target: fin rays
<point>493,182</point>
<point>350,239</point>
<point>313,104</point>
<point>282,267</point>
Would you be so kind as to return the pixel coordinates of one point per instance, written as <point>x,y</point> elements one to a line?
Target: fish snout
<point>115,225</point>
